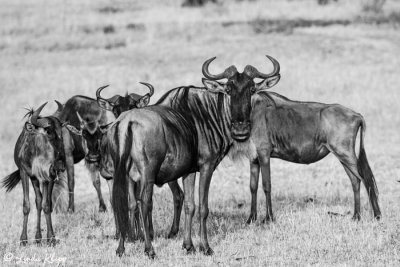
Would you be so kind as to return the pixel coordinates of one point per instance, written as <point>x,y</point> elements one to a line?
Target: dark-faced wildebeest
<point>305,132</point>
<point>87,118</point>
<point>189,129</point>
<point>39,156</point>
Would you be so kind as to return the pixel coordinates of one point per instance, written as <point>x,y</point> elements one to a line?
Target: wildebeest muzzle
<point>240,130</point>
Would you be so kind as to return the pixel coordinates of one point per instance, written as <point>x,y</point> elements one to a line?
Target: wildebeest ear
<point>73,130</point>
<point>29,127</point>
<point>143,101</point>
<point>268,83</point>
<point>104,104</point>
<point>214,86</point>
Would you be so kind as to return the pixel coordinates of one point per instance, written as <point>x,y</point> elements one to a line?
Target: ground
<point>333,54</point>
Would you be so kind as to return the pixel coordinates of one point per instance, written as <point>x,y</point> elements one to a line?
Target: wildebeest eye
<point>252,90</point>
<point>228,90</point>
<point>49,132</point>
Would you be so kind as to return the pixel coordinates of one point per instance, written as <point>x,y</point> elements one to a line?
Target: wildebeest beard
<point>92,166</point>
<point>242,150</point>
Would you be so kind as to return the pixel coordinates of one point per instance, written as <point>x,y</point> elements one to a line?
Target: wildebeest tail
<point>120,187</point>
<point>365,171</point>
<point>11,181</point>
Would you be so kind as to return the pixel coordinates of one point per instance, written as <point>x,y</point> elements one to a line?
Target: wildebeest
<point>93,137</point>
<point>189,129</point>
<point>39,156</point>
<point>305,132</point>
<point>87,119</point>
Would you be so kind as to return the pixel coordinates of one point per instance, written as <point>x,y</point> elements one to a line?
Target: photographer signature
<point>35,259</point>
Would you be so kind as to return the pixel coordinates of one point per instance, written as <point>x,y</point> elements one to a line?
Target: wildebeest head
<point>44,144</point>
<point>91,130</point>
<point>240,87</point>
<point>118,104</point>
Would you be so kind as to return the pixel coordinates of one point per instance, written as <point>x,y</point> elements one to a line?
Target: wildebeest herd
<point>189,129</point>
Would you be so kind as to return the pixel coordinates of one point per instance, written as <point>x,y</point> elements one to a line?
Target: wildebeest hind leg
<point>254,177</point>
<point>355,183</point>
<point>347,156</point>
<point>38,201</point>
<point>144,203</point>
<point>26,207</point>
<point>178,196</point>
<point>133,231</point>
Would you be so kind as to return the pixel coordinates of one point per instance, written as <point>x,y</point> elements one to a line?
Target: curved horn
<point>59,106</point>
<point>98,91</point>
<point>151,87</point>
<point>35,118</point>
<point>80,118</point>
<point>229,72</point>
<point>254,73</point>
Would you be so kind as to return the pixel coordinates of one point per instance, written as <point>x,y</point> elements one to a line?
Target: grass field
<point>54,49</point>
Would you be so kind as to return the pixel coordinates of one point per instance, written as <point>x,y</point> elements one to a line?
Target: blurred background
<point>332,51</point>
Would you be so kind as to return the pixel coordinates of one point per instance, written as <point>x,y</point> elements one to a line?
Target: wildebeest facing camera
<point>299,98</point>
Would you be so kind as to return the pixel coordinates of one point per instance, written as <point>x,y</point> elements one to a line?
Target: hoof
<point>378,217</point>
<point>120,251</point>
<point>51,241</point>
<point>23,242</point>
<point>268,219</point>
<point>102,208</point>
<point>189,249</point>
<point>252,218</point>
<point>150,253</point>
<point>172,234</point>
<point>356,217</point>
<point>38,239</point>
<point>71,210</point>
<point>206,251</point>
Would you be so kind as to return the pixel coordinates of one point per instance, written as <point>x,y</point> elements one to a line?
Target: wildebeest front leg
<point>254,177</point>
<point>110,186</point>
<point>144,203</point>
<point>264,161</point>
<point>69,162</point>
<point>204,185</point>
<point>69,166</point>
<point>26,207</point>
<point>96,183</point>
<point>188,187</point>
<point>47,191</point>
<point>178,196</point>
<point>38,201</point>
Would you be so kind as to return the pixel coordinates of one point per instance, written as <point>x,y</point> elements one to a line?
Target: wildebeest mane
<point>206,114</point>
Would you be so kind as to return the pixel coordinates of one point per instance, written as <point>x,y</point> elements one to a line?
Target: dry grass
<point>56,49</point>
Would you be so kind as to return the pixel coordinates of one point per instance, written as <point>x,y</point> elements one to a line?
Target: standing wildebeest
<point>92,140</point>
<point>87,118</point>
<point>188,130</point>
<point>305,132</point>
<point>39,156</point>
